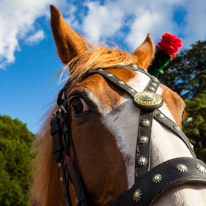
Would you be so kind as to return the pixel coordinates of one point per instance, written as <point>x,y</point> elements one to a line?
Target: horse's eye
<point>78,105</point>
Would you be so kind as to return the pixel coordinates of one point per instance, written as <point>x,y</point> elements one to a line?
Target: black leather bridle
<point>149,183</point>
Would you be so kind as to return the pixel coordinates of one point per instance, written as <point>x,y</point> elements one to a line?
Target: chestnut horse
<point>104,125</point>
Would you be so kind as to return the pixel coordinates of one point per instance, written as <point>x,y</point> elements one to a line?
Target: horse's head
<point>105,122</point>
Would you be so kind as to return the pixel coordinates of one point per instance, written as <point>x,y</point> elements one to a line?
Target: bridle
<point>149,183</point>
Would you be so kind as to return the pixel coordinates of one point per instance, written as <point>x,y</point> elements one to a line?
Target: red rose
<point>170,44</point>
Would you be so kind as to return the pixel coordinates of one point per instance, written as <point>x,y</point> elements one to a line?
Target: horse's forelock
<point>99,57</point>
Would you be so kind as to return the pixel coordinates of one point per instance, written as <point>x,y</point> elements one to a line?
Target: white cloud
<point>16,20</point>
<point>101,21</point>
<point>36,37</point>
<point>106,21</point>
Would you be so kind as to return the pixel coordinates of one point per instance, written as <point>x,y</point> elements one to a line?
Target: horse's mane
<point>46,189</point>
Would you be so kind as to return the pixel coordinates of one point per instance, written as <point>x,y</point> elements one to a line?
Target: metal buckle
<point>61,108</point>
<point>148,100</point>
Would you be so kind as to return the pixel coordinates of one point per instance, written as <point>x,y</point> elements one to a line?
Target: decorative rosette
<point>164,52</point>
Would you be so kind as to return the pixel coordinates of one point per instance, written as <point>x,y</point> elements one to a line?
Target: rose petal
<point>170,44</point>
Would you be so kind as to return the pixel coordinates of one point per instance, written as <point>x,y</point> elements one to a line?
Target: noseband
<point>149,183</point>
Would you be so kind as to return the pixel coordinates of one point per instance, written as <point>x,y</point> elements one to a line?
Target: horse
<point>104,155</point>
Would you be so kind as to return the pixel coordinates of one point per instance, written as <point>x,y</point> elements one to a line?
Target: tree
<point>186,75</point>
<point>195,125</point>
<point>15,156</point>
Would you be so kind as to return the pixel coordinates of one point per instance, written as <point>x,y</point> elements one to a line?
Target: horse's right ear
<point>145,52</point>
<point>68,42</point>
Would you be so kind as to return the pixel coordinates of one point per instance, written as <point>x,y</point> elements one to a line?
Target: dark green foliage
<point>195,124</point>
<point>186,75</point>
<point>15,156</point>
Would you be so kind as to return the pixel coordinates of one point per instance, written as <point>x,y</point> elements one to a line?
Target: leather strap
<point>142,157</point>
<point>67,168</point>
<point>116,81</point>
<point>161,178</point>
<point>169,124</point>
<point>56,134</point>
<point>73,170</point>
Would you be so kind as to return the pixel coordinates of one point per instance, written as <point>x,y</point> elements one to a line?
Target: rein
<point>149,183</point>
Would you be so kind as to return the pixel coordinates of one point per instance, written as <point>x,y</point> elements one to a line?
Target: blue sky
<point>28,58</point>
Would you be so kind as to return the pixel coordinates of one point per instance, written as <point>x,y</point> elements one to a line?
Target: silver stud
<point>201,168</point>
<point>151,89</point>
<point>176,128</point>
<point>131,91</point>
<point>61,179</point>
<point>145,123</point>
<point>192,146</point>
<point>181,168</point>
<point>59,165</point>
<point>120,82</point>
<point>110,75</point>
<point>143,139</point>
<point>100,70</point>
<point>154,84</point>
<point>157,178</point>
<point>160,116</point>
<point>142,161</point>
<point>134,66</point>
<point>137,195</point>
<point>155,79</point>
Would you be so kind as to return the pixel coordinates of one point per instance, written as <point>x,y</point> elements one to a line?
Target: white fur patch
<point>125,126</point>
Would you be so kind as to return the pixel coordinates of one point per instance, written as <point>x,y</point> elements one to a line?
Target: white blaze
<point>125,126</point>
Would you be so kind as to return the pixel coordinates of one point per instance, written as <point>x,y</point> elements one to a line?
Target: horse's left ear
<point>145,52</point>
<point>68,42</point>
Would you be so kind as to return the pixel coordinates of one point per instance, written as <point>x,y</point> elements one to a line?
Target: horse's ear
<point>68,42</point>
<point>145,52</point>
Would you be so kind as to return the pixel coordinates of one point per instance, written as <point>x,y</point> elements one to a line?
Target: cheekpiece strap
<point>62,149</point>
<point>56,133</point>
